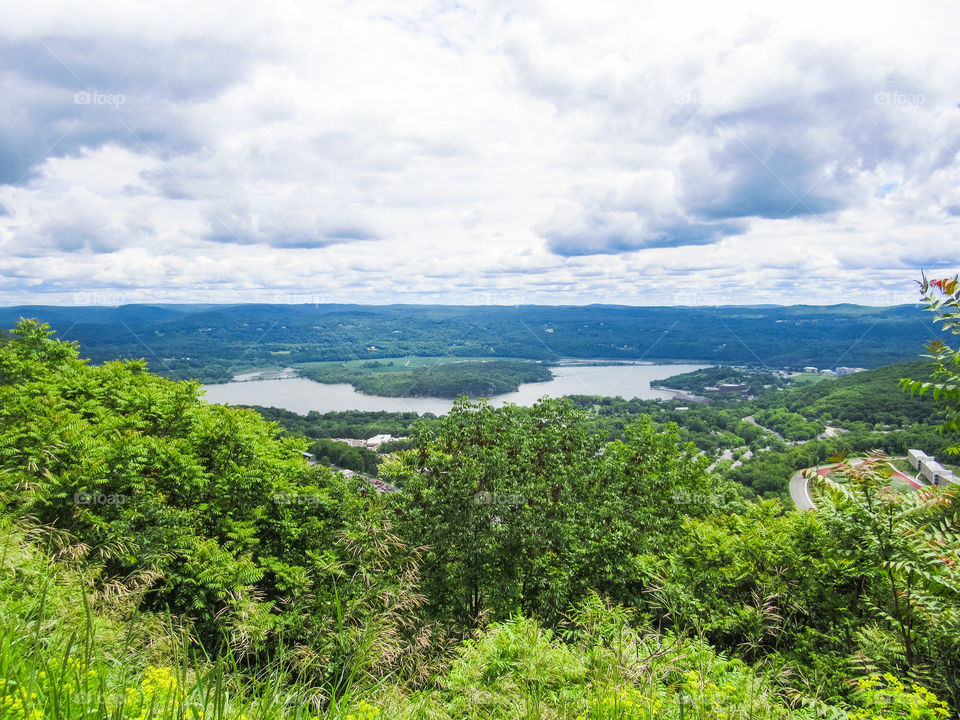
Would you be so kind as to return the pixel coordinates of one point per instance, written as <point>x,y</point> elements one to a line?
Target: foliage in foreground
<point>287,579</point>
<point>902,552</point>
<point>942,297</point>
<point>62,658</point>
<point>197,508</point>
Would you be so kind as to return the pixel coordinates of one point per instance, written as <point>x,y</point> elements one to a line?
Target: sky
<point>495,152</point>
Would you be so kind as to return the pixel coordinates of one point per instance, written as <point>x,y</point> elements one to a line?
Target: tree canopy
<point>942,297</point>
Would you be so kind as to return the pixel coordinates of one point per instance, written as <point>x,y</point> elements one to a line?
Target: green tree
<point>759,582</point>
<point>942,297</point>
<point>490,493</point>
<point>523,509</point>
<point>175,503</point>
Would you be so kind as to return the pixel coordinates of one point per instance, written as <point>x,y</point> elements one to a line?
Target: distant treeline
<point>698,380</point>
<point>211,342</point>
<point>361,424</point>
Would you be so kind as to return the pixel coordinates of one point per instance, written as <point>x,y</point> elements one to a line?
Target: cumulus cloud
<point>67,93</point>
<point>596,230</point>
<point>303,220</point>
<point>475,152</point>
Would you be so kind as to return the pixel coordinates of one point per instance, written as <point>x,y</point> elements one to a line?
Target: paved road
<point>800,492</point>
<point>800,488</point>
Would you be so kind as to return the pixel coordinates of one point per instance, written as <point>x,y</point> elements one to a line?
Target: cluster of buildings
<point>839,372</point>
<point>373,443</point>
<point>929,469</point>
<point>711,392</point>
<point>379,485</point>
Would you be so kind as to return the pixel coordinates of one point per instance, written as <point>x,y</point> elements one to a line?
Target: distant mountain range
<point>212,341</point>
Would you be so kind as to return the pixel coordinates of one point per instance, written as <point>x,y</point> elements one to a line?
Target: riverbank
<point>302,395</point>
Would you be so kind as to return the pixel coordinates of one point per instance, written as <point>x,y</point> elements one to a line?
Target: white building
<point>935,473</point>
<point>352,442</point>
<point>831,373</point>
<point>810,369</point>
<point>916,457</point>
<point>947,478</point>
<point>377,440</point>
<point>372,444</point>
<point>929,469</point>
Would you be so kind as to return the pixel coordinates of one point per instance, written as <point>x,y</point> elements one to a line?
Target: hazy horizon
<point>451,304</point>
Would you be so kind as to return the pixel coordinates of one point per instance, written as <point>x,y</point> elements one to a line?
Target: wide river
<point>301,395</point>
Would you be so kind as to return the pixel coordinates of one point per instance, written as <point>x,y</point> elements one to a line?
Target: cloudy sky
<point>477,152</point>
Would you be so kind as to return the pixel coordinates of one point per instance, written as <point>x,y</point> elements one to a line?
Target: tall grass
<point>62,658</point>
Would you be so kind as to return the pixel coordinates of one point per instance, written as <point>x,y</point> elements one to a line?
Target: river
<point>301,395</point>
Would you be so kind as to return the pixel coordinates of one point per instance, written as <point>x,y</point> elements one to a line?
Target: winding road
<point>800,487</point>
<point>800,492</point>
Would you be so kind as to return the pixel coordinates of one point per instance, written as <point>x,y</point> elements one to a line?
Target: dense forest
<point>362,424</point>
<point>167,558</point>
<point>213,342</point>
<point>450,380</point>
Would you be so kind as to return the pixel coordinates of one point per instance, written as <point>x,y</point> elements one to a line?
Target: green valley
<point>586,558</point>
<point>211,343</point>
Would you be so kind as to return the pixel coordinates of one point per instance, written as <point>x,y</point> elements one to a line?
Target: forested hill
<point>209,341</point>
<point>871,397</point>
<point>170,559</point>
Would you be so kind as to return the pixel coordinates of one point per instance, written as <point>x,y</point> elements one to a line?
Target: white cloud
<point>487,152</point>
